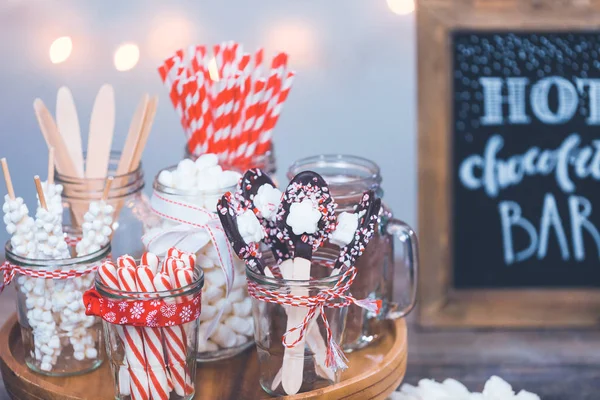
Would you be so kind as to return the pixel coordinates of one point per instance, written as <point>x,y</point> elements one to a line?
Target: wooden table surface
<point>558,365</point>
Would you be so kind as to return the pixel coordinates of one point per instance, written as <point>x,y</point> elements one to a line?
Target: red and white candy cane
<point>108,276</point>
<point>150,260</point>
<point>335,297</point>
<point>153,348</point>
<point>176,345</point>
<point>126,261</point>
<point>134,343</point>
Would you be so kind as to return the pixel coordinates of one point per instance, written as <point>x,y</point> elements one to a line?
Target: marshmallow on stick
<point>39,316</point>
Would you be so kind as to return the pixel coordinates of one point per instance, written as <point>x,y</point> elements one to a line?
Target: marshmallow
<point>304,217</point>
<point>224,336</point>
<point>206,161</point>
<point>240,325</point>
<point>243,308</point>
<point>347,224</point>
<point>267,200</point>
<point>250,228</point>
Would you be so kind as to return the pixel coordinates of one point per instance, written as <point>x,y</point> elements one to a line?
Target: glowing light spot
<point>168,33</point>
<point>213,70</point>
<point>297,39</point>
<point>60,49</point>
<point>401,7</point>
<point>126,57</point>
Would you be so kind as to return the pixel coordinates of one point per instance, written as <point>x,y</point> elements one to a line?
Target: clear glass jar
<point>271,322</point>
<point>348,177</point>
<point>131,204</point>
<point>122,340</point>
<point>58,338</point>
<point>221,344</point>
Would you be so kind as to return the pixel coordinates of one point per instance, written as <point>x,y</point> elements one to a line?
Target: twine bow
<point>336,297</point>
<point>10,270</point>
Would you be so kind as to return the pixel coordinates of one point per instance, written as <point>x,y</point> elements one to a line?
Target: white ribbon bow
<point>196,227</point>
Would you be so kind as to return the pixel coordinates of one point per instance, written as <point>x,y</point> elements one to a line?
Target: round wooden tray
<point>374,373</point>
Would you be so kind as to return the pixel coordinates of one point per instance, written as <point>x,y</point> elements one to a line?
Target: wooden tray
<point>374,373</point>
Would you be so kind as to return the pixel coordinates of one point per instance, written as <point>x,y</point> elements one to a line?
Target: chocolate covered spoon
<point>306,217</point>
<point>368,212</point>
<point>252,181</point>
<point>227,212</point>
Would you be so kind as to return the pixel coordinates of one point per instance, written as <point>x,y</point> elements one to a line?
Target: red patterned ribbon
<point>336,297</point>
<point>9,270</point>
<point>152,313</point>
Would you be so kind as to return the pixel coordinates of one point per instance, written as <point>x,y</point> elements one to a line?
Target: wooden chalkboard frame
<point>440,304</point>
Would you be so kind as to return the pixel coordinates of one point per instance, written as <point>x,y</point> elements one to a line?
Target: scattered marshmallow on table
<point>204,182</point>
<point>495,389</point>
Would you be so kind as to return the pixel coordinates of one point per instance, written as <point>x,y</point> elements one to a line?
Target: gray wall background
<point>354,92</point>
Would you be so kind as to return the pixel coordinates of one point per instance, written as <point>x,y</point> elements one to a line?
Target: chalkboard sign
<point>509,163</point>
<point>526,151</point>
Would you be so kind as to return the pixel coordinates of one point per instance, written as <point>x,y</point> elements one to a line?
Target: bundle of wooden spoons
<point>64,134</point>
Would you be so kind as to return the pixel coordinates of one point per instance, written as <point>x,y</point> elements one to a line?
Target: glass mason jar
<point>348,177</point>
<point>230,337</point>
<point>271,322</point>
<point>124,340</point>
<point>132,209</point>
<point>58,338</point>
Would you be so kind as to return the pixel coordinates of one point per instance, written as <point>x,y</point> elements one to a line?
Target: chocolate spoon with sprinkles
<point>307,193</point>
<point>368,213</point>
<point>252,181</point>
<point>226,210</point>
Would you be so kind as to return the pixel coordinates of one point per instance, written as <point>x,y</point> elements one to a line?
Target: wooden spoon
<point>102,128</point>
<point>68,127</point>
<point>64,163</point>
<point>133,137</point>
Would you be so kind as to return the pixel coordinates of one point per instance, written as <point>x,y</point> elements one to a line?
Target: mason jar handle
<point>407,237</point>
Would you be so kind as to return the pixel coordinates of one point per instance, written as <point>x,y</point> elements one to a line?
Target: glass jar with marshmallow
<point>185,198</point>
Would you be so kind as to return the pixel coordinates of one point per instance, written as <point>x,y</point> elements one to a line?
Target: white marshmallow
<point>243,308</point>
<point>224,336</point>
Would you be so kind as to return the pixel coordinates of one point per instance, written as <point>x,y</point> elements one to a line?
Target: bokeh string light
<point>126,57</point>
<point>401,7</point>
<point>60,49</point>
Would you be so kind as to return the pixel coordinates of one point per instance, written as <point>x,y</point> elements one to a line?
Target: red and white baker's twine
<point>10,270</point>
<point>336,297</point>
